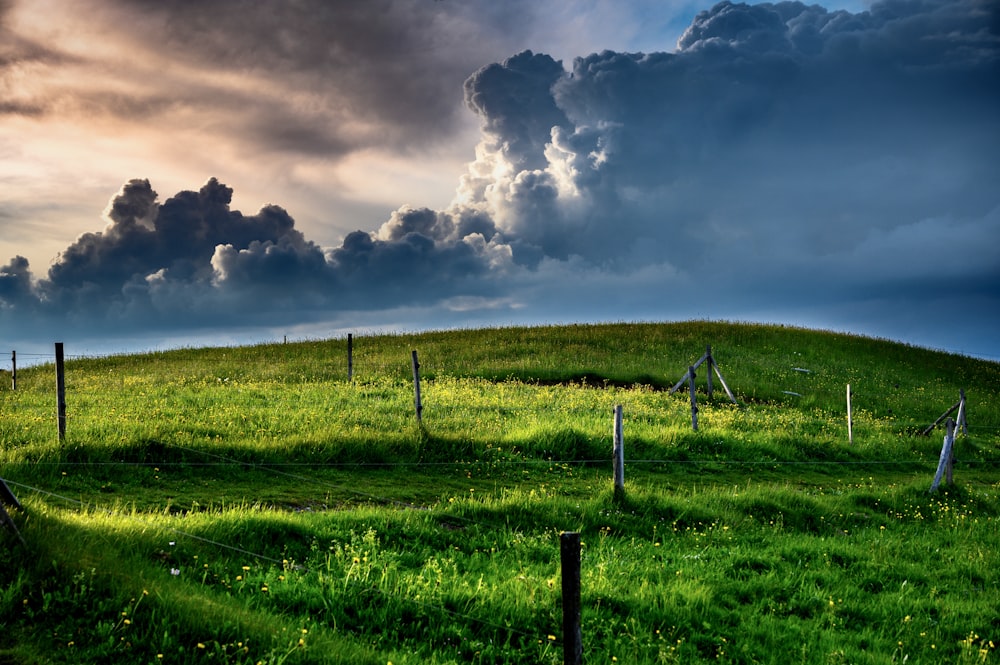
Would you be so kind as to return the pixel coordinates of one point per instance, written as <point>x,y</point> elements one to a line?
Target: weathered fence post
<point>711,361</point>
<point>13,370</point>
<point>350,357</point>
<point>850,420</point>
<point>712,366</point>
<point>60,391</point>
<point>694,400</point>
<point>416,386</point>
<point>947,459</point>
<point>569,550</point>
<point>618,456</point>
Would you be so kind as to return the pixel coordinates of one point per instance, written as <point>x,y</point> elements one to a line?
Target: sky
<point>187,174</point>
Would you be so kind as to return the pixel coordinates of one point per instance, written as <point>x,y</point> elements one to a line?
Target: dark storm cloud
<point>501,93</point>
<point>178,237</point>
<point>783,127</point>
<point>194,261</point>
<point>785,158</point>
<point>15,284</point>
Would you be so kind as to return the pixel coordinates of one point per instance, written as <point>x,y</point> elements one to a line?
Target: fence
<point>86,401</point>
<point>346,371</point>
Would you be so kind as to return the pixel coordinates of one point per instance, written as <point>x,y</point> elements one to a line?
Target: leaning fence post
<point>60,391</point>
<point>947,458</point>
<point>569,550</point>
<point>416,386</point>
<point>694,400</point>
<point>618,456</point>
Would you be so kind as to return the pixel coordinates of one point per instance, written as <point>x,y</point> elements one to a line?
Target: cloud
<point>783,159</point>
<point>310,77</point>
<point>193,261</point>
<point>776,136</point>
<point>15,284</point>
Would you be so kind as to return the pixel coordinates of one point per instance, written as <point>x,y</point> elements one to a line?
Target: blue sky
<point>210,173</point>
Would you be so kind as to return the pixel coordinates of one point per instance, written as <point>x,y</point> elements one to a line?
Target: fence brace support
<point>712,366</point>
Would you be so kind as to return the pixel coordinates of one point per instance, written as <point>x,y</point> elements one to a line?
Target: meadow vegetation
<point>253,505</point>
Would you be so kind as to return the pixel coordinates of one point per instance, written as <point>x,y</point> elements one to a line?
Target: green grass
<point>246,505</point>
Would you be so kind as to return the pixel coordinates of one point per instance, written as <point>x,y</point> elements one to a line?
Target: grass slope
<point>253,505</point>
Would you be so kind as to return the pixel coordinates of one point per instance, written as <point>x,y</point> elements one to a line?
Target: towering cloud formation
<point>771,119</point>
<point>784,159</point>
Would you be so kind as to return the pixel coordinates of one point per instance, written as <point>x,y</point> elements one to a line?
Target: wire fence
<point>179,385</point>
<point>96,402</point>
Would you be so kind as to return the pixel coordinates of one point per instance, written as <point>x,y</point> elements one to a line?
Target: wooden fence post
<point>13,370</point>
<point>618,456</point>
<point>416,386</point>
<point>850,420</point>
<point>694,400</point>
<point>947,459</point>
<point>350,357</point>
<point>712,365</point>
<point>60,391</point>
<point>711,361</point>
<point>569,550</point>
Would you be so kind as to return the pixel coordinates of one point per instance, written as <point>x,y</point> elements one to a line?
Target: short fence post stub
<point>60,391</point>
<point>618,456</point>
<point>416,387</point>
<point>569,550</point>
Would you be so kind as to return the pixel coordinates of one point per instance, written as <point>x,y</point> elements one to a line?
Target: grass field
<point>253,505</point>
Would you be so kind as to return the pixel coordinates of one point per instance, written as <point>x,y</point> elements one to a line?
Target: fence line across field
<point>707,358</point>
<point>569,542</point>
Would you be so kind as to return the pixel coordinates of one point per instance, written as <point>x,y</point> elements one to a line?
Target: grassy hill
<point>257,505</point>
